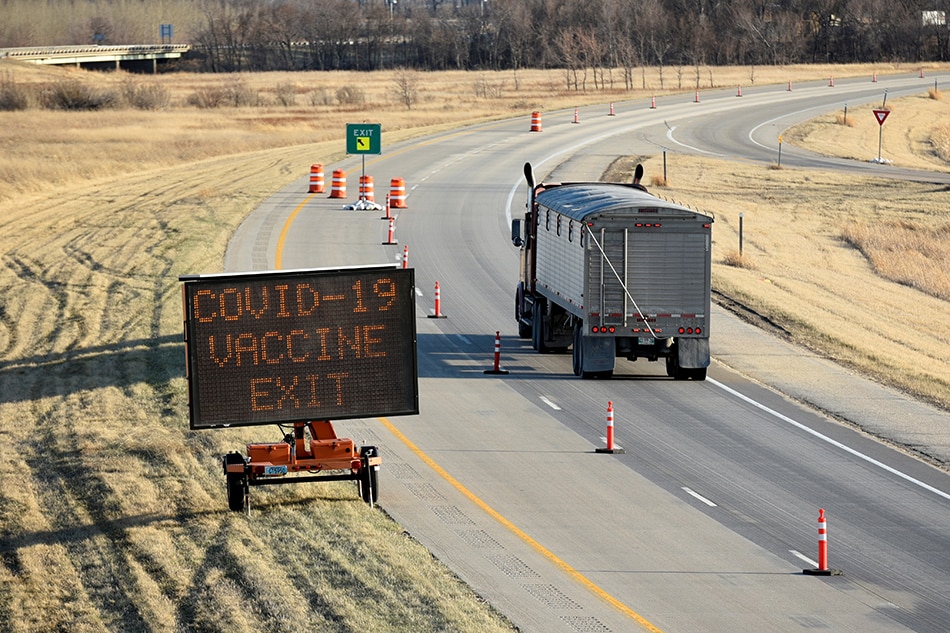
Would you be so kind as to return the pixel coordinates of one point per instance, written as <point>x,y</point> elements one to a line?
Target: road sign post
<point>881,116</point>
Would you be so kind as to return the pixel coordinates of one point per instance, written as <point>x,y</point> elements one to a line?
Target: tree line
<point>585,37</point>
<point>570,34</point>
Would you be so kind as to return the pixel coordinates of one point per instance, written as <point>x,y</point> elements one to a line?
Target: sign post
<point>881,116</point>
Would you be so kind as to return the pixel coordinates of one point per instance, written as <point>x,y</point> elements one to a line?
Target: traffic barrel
<point>367,189</point>
<point>316,179</point>
<point>338,184</point>
<point>438,304</point>
<point>535,121</point>
<point>496,367</point>
<point>397,193</point>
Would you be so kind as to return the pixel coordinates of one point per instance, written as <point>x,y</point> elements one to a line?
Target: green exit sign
<point>363,138</point>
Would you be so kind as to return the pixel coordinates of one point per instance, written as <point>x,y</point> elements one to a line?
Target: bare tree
<point>407,86</point>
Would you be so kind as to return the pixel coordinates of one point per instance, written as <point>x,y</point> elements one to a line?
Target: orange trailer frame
<point>312,452</point>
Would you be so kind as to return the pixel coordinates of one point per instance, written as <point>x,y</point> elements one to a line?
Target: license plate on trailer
<point>646,340</point>
<point>275,470</point>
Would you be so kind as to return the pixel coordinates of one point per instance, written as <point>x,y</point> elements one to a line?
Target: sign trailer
<point>299,348</point>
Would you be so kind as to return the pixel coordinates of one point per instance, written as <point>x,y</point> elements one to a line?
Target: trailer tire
<point>577,356</point>
<point>238,497</point>
<point>671,365</point>
<point>537,327</point>
<point>577,351</point>
<point>674,371</point>
<point>369,475</point>
<point>524,329</point>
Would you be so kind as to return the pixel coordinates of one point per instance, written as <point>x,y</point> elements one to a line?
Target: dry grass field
<point>112,513</point>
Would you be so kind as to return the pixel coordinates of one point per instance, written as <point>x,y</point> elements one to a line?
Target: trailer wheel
<point>671,365</point>
<point>538,331</point>
<point>524,329</point>
<point>369,475</point>
<point>578,350</point>
<point>674,371</point>
<point>238,497</point>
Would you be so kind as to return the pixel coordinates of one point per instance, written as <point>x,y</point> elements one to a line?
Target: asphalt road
<point>708,519</point>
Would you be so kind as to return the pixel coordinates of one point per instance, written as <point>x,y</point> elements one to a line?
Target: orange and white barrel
<point>338,184</point>
<point>535,121</point>
<point>316,179</point>
<point>367,189</point>
<point>397,193</point>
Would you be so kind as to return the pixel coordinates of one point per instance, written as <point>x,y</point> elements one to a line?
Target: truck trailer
<point>609,270</point>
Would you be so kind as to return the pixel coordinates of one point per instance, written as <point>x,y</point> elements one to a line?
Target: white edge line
<point>827,439</point>
<point>801,556</point>
<point>463,339</point>
<point>669,136</point>
<point>550,403</point>
<point>696,495</point>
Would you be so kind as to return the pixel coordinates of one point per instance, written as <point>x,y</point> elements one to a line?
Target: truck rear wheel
<point>577,350</point>
<point>537,327</point>
<point>674,371</point>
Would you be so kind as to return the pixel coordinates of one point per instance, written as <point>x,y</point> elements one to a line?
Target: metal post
<point>880,141</point>
<point>740,233</point>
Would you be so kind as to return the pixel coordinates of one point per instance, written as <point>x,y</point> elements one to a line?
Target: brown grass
<point>113,514</point>
<point>46,150</point>
<point>906,252</point>
<point>738,259</point>
<point>845,120</point>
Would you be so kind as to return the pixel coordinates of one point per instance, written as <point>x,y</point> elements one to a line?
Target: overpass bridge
<point>135,57</point>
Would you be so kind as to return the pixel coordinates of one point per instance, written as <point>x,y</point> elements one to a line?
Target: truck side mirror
<point>516,233</point>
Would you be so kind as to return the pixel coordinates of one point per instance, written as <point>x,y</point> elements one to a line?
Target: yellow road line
<point>541,549</point>
<point>279,255</point>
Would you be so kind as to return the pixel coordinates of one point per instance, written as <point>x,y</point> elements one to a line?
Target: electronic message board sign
<point>289,346</point>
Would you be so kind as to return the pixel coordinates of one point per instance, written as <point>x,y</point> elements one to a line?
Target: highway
<point>708,519</point>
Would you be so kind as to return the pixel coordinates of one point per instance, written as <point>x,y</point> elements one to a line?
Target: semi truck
<point>610,271</point>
